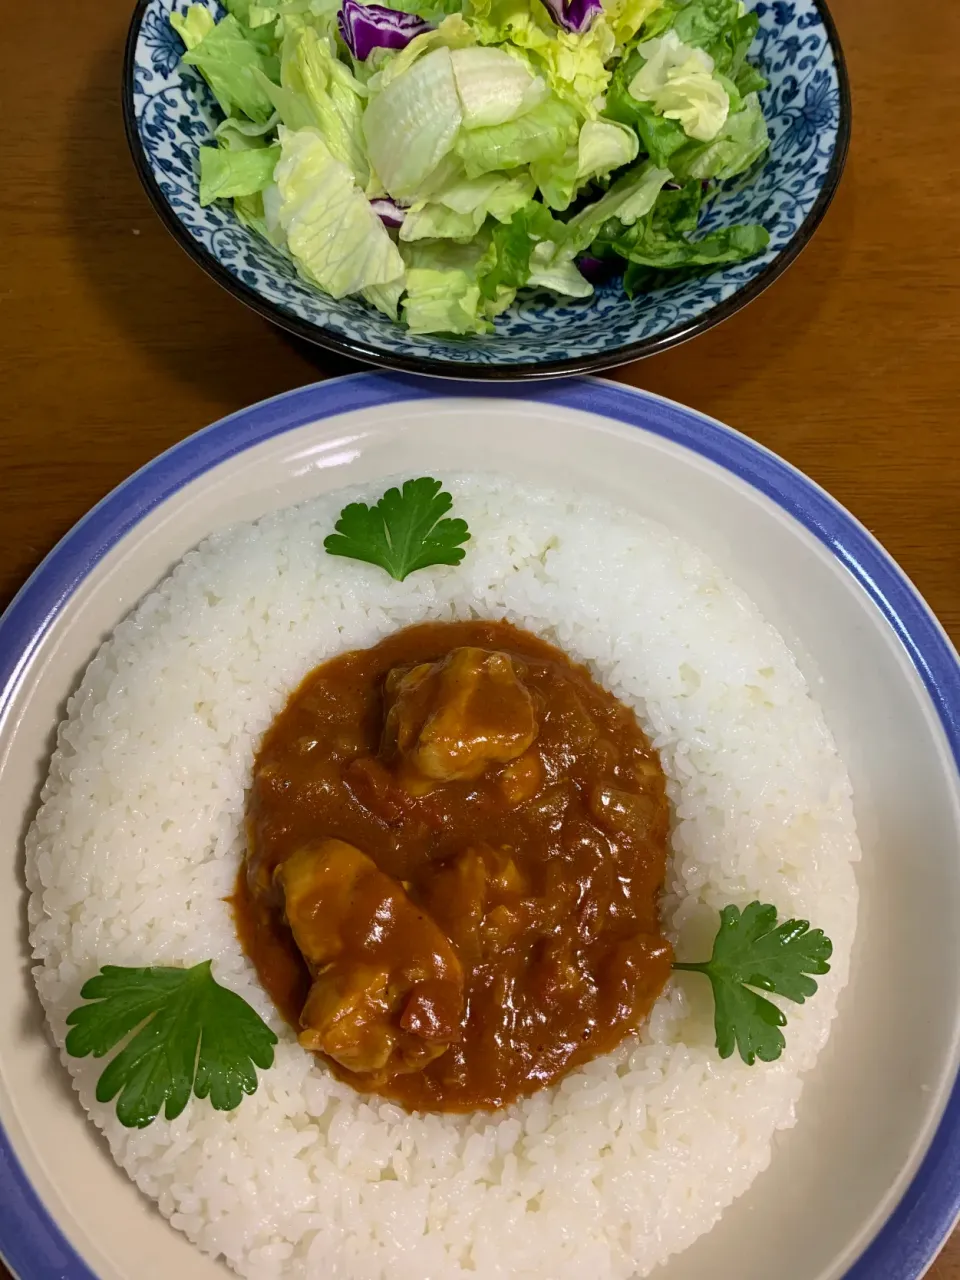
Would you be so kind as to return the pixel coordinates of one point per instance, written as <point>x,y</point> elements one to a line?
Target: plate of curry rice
<point>472,832</point>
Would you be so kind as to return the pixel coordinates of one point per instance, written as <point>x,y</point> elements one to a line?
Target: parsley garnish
<point>195,1037</point>
<point>403,532</point>
<point>752,950</point>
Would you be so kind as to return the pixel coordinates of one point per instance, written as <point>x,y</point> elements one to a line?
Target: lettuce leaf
<point>604,146</point>
<point>466,286</point>
<point>750,80</point>
<point>235,173</point>
<point>506,262</point>
<point>445,255</point>
<point>261,14</point>
<point>252,212</point>
<point>254,15</point>
<point>493,86</point>
<point>499,194</point>
<point>443,302</point>
<point>437,222</point>
<point>249,211</point>
<point>431,10</point>
<point>459,210</point>
<point>240,10</point>
<point>539,135</point>
<point>193,25</point>
<point>575,65</point>
<point>237,134</point>
<point>412,123</point>
<point>730,46</point>
<point>291,16</point>
<point>508,21</point>
<point>317,91</point>
<point>560,275</point>
<point>649,258</point>
<point>703,22</point>
<point>659,137</point>
<point>629,198</point>
<point>271,202</point>
<point>739,142</point>
<point>463,287</point>
<point>386,297</point>
<point>677,210</point>
<point>738,145</point>
<point>234,66</point>
<point>388,65</point>
<point>722,29</point>
<point>335,236</point>
<point>660,239</point>
<point>601,147</point>
<point>677,80</point>
<point>626,17</point>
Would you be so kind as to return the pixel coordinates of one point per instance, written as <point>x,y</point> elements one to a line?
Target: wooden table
<point>115,345</point>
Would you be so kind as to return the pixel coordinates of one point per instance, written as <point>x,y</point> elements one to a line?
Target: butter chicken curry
<point>457,841</point>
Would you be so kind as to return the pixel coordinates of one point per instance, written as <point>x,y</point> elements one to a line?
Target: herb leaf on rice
<point>405,531</point>
<point>194,1037</point>
<point>752,950</point>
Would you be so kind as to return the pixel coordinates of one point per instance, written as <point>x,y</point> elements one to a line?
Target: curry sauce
<point>456,844</point>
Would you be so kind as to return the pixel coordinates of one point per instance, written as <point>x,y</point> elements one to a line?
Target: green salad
<point>435,156</point>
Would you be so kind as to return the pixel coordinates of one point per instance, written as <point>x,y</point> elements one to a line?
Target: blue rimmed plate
<point>169,114</point>
<point>875,1159</point>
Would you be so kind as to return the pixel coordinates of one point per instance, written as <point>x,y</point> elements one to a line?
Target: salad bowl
<point>170,113</point>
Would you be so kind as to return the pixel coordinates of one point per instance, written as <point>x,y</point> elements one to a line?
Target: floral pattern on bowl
<point>170,113</point>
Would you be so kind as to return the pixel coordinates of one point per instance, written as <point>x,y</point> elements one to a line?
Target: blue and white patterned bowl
<point>169,113</point>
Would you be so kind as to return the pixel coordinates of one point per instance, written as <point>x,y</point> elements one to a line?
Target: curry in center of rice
<point>456,845</point>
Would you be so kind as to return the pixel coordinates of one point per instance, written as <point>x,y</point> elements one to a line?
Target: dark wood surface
<point>115,345</point>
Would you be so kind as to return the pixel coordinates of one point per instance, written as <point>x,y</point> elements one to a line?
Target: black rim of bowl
<point>428,365</point>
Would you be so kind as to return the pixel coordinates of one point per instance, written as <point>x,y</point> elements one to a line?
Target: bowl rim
<point>430,366</point>
<point>31,1241</point>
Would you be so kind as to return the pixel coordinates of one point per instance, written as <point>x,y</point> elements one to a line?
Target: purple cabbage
<point>389,212</point>
<point>596,270</point>
<point>365,27</point>
<point>573,15</point>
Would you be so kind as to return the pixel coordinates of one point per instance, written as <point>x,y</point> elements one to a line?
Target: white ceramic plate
<point>868,1183</point>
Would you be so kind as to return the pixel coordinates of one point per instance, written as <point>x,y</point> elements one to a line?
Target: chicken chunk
<point>640,815</point>
<point>387,994</point>
<point>453,719</point>
<point>484,903</point>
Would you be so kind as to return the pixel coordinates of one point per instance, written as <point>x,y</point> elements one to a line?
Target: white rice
<point>139,838</point>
